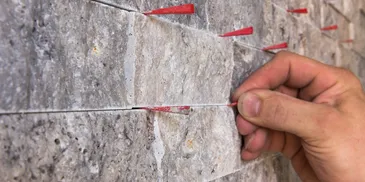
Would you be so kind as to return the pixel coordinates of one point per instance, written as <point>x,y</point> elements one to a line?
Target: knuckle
<point>343,72</point>
<point>349,77</point>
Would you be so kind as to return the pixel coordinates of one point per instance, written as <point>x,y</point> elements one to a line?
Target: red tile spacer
<point>182,9</point>
<point>300,11</point>
<point>169,109</point>
<point>161,108</point>
<point>181,108</point>
<point>277,46</point>
<point>348,41</point>
<point>332,27</point>
<point>244,31</point>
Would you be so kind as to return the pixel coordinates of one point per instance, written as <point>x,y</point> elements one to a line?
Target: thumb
<point>281,112</point>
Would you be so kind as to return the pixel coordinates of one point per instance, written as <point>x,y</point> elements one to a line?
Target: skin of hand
<point>314,114</point>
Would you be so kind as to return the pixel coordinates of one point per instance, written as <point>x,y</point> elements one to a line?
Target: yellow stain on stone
<point>189,143</point>
<point>95,50</point>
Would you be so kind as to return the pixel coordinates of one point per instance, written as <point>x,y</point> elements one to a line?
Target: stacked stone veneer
<point>65,65</point>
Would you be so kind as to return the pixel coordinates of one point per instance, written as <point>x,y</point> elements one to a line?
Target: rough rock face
<point>71,71</point>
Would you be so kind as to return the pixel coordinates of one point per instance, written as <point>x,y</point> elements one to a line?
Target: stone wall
<point>72,70</point>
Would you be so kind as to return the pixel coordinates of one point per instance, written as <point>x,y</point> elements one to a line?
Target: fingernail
<point>251,104</point>
<point>248,141</point>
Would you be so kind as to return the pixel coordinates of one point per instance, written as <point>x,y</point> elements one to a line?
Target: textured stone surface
<point>129,5</point>
<point>84,55</point>
<point>237,14</point>
<point>328,18</point>
<point>95,146</point>
<point>346,7</point>
<point>199,147</point>
<point>350,61</point>
<point>312,43</point>
<point>176,71</point>
<point>14,56</point>
<point>69,57</point>
<point>313,6</point>
<point>281,3</point>
<point>359,26</point>
<point>267,168</point>
<point>344,27</point>
<point>337,4</point>
<point>298,32</point>
<point>246,61</point>
<point>362,70</point>
<point>314,11</point>
<point>349,11</point>
<point>279,26</point>
<point>217,17</point>
<point>197,20</point>
<point>329,56</point>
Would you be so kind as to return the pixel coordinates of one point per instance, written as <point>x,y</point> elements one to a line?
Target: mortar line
<point>339,12</point>
<point>357,53</point>
<point>134,108</point>
<point>60,111</point>
<point>113,5</point>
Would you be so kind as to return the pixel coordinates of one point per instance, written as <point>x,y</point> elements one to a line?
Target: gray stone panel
<point>281,3</point>
<point>328,53</point>
<point>94,146</point>
<point>273,168</point>
<point>237,14</point>
<point>313,6</point>
<point>314,12</point>
<point>350,60</point>
<point>337,4</point>
<point>15,51</point>
<point>199,147</point>
<point>72,55</point>
<point>329,17</point>
<point>197,20</point>
<point>217,17</point>
<point>362,71</point>
<point>313,40</point>
<point>351,8</point>
<point>343,28</point>
<point>175,65</point>
<point>279,26</point>
<point>294,4</point>
<point>246,61</point>
<point>297,36</point>
<point>347,8</point>
<point>130,5</point>
<point>359,29</point>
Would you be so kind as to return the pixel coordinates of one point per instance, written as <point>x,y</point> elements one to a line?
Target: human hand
<point>311,112</point>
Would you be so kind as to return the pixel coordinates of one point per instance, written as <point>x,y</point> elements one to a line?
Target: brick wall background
<point>72,70</point>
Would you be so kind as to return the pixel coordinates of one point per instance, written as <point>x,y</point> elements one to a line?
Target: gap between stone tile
<point>132,108</point>
<point>114,5</point>
<point>339,12</point>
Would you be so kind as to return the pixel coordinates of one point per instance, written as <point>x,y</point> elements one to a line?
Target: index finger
<point>293,71</point>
